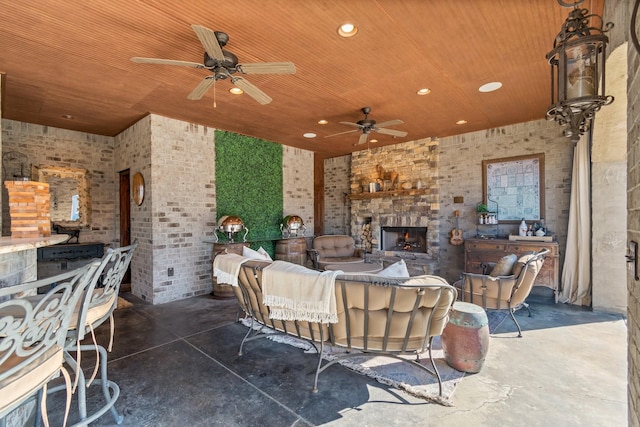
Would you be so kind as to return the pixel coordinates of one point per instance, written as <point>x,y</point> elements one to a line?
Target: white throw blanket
<point>294,292</point>
<point>227,266</point>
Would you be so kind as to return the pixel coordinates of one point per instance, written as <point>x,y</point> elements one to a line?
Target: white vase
<point>522,230</point>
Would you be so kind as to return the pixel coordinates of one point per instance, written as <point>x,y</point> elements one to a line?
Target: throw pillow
<point>517,268</point>
<point>397,269</point>
<point>504,266</point>
<point>264,253</point>
<point>260,254</point>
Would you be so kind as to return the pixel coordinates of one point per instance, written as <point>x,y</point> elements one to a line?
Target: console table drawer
<point>533,247</point>
<point>486,246</point>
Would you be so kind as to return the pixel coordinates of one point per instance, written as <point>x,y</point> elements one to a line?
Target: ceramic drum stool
<point>465,339</point>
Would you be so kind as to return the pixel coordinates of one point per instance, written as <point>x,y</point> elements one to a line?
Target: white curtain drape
<point>576,273</point>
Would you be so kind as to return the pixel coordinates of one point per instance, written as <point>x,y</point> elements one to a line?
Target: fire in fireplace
<point>404,239</point>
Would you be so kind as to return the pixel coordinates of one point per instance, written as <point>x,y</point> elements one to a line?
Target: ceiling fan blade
<point>209,41</point>
<point>392,132</point>
<point>267,68</point>
<point>390,123</point>
<point>351,124</point>
<point>251,90</point>
<point>202,88</point>
<point>166,62</point>
<point>341,133</point>
<point>363,138</point>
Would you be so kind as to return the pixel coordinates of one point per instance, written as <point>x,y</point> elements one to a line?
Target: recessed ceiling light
<point>322,122</point>
<point>373,141</point>
<point>424,91</point>
<point>309,135</point>
<point>68,117</point>
<point>236,91</point>
<point>347,30</point>
<point>461,122</point>
<point>490,87</point>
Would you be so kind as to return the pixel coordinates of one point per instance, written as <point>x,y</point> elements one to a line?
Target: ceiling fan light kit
<point>223,64</point>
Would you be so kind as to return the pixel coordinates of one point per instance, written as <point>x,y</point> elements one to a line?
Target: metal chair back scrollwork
<point>33,332</point>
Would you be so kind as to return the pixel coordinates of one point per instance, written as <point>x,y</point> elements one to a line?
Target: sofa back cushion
<point>332,246</point>
<point>377,314</point>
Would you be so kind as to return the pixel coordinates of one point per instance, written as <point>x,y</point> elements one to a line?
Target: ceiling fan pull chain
<point>214,93</point>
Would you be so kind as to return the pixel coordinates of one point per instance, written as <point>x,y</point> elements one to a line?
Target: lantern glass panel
<point>581,71</point>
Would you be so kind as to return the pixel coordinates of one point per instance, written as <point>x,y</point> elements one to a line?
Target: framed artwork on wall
<point>514,187</point>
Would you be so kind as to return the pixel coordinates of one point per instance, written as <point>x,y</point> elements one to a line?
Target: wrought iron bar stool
<point>98,307</point>
<point>33,333</point>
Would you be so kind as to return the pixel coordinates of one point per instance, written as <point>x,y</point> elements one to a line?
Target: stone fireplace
<point>388,216</point>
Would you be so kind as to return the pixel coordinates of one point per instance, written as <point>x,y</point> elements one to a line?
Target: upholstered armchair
<point>506,286</point>
<point>334,249</point>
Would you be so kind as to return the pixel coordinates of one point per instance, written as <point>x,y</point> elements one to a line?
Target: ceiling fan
<point>224,64</point>
<point>367,125</point>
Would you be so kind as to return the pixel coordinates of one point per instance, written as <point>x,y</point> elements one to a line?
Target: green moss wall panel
<point>249,184</point>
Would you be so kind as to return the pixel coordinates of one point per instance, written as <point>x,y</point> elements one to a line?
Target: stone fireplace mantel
<point>393,193</point>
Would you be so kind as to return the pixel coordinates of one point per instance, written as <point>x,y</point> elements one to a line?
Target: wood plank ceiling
<point>67,64</point>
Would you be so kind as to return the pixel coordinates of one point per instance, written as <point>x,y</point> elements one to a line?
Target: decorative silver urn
<point>291,225</point>
<point>231,225</point>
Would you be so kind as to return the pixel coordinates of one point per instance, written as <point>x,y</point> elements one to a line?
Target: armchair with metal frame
<point>507,292</point>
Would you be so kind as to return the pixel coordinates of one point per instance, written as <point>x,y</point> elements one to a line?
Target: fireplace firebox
<point>404,239</point>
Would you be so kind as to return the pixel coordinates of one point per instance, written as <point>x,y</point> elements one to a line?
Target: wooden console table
<point>479,251</point>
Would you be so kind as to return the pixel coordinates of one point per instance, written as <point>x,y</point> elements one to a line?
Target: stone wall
<point>297,185</point>
<point>337,172</point>
<point>413,161</point>
<point>608,190</point>
<point>49,146</point>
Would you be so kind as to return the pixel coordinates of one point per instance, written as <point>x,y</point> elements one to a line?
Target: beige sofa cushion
<point>338,246</point>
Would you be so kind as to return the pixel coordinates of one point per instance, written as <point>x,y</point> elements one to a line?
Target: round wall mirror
<point>138,188</point>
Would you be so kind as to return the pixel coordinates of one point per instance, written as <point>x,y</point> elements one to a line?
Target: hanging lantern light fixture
<point>577,71</point>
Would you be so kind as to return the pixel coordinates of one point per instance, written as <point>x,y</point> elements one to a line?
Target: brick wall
<point>461,159</point>
<point>633,219</point>
<point>177,160</point>
<point>133,152</point>
<point>49,146</point>
<point>297,185</point>
<point>451,166</point>
<point>336,184</point>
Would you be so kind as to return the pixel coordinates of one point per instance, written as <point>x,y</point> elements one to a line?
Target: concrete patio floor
<point>177,365</point>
